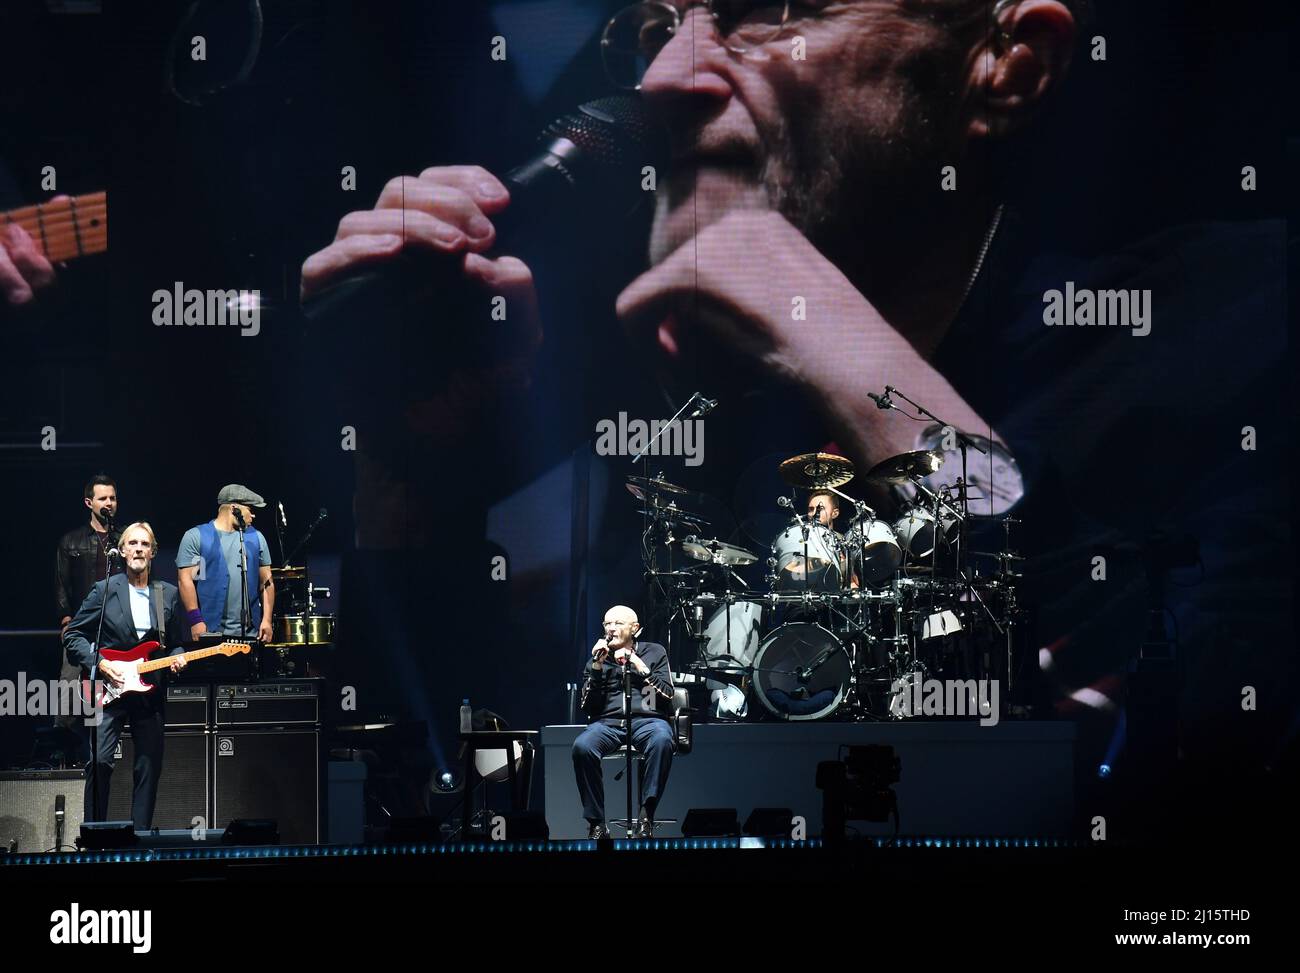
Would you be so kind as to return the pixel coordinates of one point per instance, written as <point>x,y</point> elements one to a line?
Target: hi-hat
<point>816,471</point>
<point>903,467</point>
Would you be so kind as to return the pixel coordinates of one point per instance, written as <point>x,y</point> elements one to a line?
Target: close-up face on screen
<point>685,442</point>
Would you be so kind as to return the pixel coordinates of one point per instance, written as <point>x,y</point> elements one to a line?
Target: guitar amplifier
<point>184,787</point>
<point>187,706</point>
<point>269,772</point>
<point>287,703</point>
<point>28,803</point>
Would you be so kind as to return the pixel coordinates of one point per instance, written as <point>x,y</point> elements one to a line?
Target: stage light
<point>445,781</point>
<point>1103,771</point>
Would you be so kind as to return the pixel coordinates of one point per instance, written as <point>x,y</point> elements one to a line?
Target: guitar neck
<point>65,228</point>
<point>155,664</point>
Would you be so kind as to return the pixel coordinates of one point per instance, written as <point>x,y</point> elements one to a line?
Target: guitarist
<point>137,610</point>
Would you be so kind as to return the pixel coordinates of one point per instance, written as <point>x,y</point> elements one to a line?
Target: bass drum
<point>801,672</point>
<point>825,556</point>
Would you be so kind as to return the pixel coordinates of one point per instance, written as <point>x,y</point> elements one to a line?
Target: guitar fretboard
<point>66,228</point>
<point>226,648</point>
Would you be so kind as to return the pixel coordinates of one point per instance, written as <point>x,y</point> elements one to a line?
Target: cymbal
<point>717,552</point>
<point>643,486</point>
<point>672,514</point>
<point>905,466</point>
<point>816,471</point>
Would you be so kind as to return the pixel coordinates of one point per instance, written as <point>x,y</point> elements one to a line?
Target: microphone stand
<point>109,554</point>
<point>964,442</point>
<point>627,728</point>
<point>302,542</point>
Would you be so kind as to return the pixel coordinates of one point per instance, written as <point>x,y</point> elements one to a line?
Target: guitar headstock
<point>234,648</point>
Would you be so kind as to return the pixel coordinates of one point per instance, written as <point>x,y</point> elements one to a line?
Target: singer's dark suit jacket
<point>119,626</point>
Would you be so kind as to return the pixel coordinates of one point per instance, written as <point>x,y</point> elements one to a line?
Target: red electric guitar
<point>67,228</point>
<point>135,662</point>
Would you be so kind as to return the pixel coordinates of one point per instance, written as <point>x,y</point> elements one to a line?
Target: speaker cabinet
<point>28,802</point>
<point>269,772</point>
<point>183,787</point>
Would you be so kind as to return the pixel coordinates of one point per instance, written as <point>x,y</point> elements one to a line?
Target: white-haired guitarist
<point>136,611</point>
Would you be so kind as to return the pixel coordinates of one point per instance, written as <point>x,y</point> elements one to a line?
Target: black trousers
<point>145,717</point>
<point>651,736</point>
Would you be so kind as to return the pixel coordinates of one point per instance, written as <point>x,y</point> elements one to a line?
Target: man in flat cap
<point>209,563</point>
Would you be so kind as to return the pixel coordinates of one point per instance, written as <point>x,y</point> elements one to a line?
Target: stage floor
<point>1014,779</point>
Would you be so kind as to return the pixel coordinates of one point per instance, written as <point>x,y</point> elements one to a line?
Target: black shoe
<point>645,826</point>
<point>597,831</point>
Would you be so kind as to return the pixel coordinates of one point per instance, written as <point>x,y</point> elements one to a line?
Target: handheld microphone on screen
<point>589,158</point>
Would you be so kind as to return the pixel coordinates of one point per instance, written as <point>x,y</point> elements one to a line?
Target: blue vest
<point>216,580</point>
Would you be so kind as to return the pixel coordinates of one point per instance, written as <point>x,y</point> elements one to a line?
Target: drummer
<point>824,508</point>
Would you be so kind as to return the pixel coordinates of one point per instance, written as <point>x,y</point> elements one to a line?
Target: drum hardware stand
<point>1010,607</point>
<point>702,406</point>
<point>964,443</point>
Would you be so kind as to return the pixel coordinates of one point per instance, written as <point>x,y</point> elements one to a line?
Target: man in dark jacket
<point>602,699</point>
<point>80,561</point>
<point>136,611</point>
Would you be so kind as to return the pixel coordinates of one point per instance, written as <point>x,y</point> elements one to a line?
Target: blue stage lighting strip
<point>287,852</point>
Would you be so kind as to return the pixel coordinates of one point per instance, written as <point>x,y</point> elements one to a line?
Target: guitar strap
<point>158,614</point>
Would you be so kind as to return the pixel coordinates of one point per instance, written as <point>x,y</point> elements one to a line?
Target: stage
<point>1015,779</point>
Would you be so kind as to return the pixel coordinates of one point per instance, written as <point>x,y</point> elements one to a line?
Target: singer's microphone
<point>784,502</point>
<point>284,521</point>
<point>590,158</point>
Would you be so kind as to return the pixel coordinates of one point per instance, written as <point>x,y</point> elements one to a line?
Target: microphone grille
<point>614,131</point>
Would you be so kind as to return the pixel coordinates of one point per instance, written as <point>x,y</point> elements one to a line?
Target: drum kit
<point>831,625</point>
<point>300,631</point>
